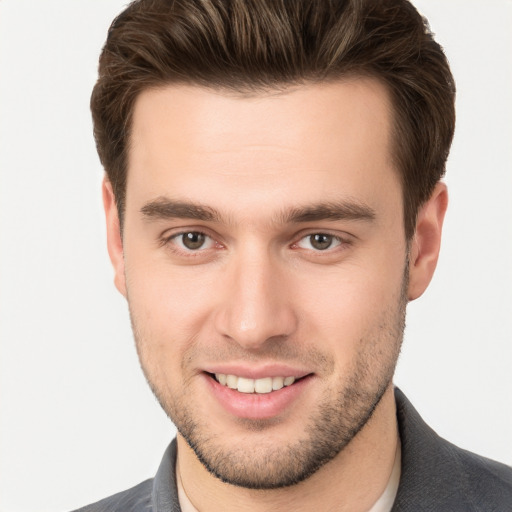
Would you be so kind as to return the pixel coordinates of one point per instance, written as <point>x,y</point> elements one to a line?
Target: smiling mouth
<point>257,386</point>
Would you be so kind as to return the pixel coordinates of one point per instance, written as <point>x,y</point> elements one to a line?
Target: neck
<point>353,480</point>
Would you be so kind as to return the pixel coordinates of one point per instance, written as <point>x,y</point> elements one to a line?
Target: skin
<point>258,293</point>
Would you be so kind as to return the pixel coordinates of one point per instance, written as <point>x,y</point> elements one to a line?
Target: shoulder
<point>157,493</point>
<point>135,499</point>
<point>437,475</point>
<point>488,482</point>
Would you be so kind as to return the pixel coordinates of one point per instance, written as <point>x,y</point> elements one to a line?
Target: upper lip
<point>257,372</point>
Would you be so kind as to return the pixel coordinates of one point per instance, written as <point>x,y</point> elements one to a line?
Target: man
<point>273,201</point>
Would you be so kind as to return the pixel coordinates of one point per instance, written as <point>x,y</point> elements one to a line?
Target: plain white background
<point>78,421</point>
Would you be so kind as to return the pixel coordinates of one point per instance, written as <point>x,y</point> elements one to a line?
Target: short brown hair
<point>256,45</point>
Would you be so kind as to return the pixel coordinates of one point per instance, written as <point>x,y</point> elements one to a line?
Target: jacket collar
<point>429,466</point>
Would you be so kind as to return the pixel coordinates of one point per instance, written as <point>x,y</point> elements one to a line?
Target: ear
<point>114,240</point>
<point>426,241</point>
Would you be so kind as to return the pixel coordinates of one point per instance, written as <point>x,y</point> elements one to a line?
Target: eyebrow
<point>163,208</point>
<point>343,210</point>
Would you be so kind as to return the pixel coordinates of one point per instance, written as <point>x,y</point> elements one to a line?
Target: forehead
<point>291,145</point>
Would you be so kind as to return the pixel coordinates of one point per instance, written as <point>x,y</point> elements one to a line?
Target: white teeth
<point>232,381</point>
<point>222,378</point>
<point>263,385</point>
<point>289,380</point>
<point>244,385</point>
<point>277,383</point>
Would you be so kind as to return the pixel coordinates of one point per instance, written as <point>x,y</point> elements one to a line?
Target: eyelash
<point>168,242</point>
<point>338,241</point>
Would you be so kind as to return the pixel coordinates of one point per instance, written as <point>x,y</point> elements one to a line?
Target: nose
<point>255,306</point>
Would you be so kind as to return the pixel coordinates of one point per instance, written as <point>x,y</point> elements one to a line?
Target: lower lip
<point>257,406</point>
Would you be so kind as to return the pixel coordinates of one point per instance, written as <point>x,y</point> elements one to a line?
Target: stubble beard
<point>328,431</point>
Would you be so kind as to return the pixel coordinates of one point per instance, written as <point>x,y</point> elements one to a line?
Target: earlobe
<point>426,242</point>
<point>114,239</point>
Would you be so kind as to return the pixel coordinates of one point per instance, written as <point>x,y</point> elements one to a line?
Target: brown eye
<point>320,241</point>
<point>191,240</point>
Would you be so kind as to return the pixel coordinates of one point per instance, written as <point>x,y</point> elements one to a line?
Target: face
<point>264,262</point>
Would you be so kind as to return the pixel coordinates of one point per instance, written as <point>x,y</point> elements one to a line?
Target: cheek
<point>168,308</point>
<point>353,308</point>
<point>161,292</point>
